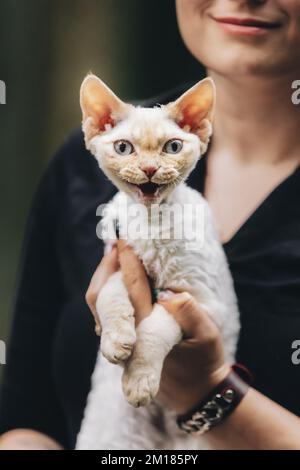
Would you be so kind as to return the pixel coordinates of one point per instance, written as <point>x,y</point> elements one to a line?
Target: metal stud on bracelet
<point>219,403</point>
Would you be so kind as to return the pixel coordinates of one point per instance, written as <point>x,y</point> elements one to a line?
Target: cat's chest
<point>173,240</point>
<point>175,263</point>
<point>164,260</point>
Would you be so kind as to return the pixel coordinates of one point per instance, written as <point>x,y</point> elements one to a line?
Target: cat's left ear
<point>101,108</point>
<point>194,110</point>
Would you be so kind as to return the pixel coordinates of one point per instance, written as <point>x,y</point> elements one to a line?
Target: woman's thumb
<point>193,320</point>
<point>183,307</point>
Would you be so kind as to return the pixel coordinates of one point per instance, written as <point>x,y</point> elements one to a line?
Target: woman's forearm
<point>27,439</point>
<point>257,423</point>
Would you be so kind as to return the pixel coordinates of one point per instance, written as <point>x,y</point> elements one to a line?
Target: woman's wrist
<point>216,377</point>
<point>207,384</point>
<point>231,385</point>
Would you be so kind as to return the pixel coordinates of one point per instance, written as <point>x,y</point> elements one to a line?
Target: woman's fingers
<point>194,321</point>
<point>136,281</point>
<point>196,364</point>
<point>202,338</point>
<point>134,276</point>
<point>109,264</point>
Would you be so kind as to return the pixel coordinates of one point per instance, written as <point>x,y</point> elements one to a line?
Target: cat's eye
<point>123,147</point>
<point>173,146</point>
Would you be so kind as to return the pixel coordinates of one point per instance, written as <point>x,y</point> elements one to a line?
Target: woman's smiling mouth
<point>245,26</point>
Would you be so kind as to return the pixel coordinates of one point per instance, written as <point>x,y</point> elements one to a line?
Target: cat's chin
<point>148,193</point>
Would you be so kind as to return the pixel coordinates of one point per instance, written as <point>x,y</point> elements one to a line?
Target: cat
<point>148,154</point>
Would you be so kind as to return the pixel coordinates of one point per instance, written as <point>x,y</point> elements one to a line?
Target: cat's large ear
<point>101,108</point>
<point>193,111</point>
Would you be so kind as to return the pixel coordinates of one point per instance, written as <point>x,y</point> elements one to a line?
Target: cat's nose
<point>149,170</point>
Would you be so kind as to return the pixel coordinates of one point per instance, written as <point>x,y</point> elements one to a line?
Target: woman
<point>251,178</point>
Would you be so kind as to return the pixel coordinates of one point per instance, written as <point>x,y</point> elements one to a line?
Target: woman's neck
<point>256,120</point>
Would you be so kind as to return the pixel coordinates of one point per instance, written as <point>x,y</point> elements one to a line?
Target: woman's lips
<point>246,26</point>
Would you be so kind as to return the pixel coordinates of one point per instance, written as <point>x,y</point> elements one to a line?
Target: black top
<point>53,346</point>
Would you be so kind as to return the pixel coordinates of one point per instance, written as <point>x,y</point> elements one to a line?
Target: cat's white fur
<point>135,357</point>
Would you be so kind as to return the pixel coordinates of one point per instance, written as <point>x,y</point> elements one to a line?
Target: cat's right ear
<point>101,108</point>
<point>194,110</point>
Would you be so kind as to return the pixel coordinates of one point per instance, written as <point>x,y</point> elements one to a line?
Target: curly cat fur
<point>135,357</point>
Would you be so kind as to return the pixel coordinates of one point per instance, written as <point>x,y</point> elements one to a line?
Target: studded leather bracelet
<point>221,401</point>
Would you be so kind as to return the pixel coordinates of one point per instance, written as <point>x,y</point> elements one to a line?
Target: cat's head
<point>146,152</point>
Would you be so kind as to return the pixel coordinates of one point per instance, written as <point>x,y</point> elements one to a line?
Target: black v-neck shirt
<point>53,346</point>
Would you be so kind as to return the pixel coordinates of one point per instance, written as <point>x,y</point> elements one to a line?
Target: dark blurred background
<point>46,48</point>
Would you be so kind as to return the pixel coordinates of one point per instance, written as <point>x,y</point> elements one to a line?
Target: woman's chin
<point>243,59</point>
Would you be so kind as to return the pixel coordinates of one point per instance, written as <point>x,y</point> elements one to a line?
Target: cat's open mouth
<point>149,190</point>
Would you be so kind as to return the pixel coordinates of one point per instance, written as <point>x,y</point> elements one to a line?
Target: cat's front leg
<point>156,336</point>
<point>116,316</point>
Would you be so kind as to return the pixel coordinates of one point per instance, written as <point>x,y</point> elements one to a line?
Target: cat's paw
<point>117,346</point>
<point>140,386</point>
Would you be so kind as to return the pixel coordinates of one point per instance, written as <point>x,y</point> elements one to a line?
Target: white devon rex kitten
<point>147,154</point>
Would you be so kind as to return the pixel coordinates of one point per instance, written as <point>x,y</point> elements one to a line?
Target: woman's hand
<point>109,264</point>
<point>194,366</point>
<point>134,276</point>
